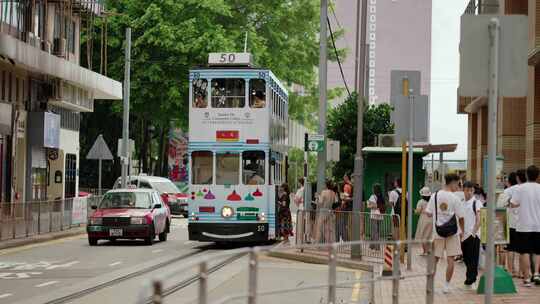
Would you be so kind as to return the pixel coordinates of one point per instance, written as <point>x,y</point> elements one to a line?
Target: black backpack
<point>397,205</point>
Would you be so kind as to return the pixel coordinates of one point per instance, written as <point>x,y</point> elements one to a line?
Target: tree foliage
<point>169,37</point>
<point>342,126</point>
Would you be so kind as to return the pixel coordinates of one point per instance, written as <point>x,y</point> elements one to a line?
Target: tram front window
<point>227,169</point>
<point>202,163</point>
<point>257,98</point>
<point>228,93</point>
<point>253,168</point>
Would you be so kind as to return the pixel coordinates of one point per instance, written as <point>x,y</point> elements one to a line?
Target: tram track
<point>116,281</point>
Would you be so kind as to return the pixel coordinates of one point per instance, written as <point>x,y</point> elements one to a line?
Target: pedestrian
<point>445,208</point>
<point>512,184</point>
<point>395,199</point>
<point>299,195</point>
<point>424,227</point>
<point>284,212</point>
<point>377,207</point>
<point>347,186</point>
<point>527,198</point>
<point>470,244</point>
<point>325,219</point>
<point>301,218</point>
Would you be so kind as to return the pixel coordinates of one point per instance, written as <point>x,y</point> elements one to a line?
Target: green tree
<point>342,126</point>
<point>169,37</point>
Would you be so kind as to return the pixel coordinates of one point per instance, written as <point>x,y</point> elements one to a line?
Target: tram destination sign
<point>231,59</point>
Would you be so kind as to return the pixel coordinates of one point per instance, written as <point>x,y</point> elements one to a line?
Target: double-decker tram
<point>238,119</point>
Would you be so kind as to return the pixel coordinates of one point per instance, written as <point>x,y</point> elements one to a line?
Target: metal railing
<point>155,291</point>
<point>19,220</point>
<point>326,227</point>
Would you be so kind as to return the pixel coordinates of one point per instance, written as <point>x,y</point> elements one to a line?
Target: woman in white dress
<point>425,223</point>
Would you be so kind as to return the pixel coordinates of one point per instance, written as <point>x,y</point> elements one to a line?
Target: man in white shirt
<point>444,206</point>
<point>527,198</point>
<point>470,245</point>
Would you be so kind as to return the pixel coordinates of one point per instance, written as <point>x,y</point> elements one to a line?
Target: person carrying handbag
<point>448,225</point>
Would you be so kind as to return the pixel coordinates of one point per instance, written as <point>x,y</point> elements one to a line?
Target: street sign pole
<point>493,94</point>
<point>410,178</point>
<point>99,176</point>
<point>125,131</point>
<point>321,159</point>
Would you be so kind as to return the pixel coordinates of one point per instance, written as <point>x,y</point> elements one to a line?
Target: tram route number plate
<point>115,232</point>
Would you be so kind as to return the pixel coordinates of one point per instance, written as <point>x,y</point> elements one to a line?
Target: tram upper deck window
<point>202,163</point>
<point>228,93</point>
<point>257,97</point>
<point>227,168</point>
<point>200,93</point>
<point>253,168</point>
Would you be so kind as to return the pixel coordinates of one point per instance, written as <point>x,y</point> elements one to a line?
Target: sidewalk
<point>41,238</point>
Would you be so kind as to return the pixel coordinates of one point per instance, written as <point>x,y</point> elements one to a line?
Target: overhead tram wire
<point>337,56</point>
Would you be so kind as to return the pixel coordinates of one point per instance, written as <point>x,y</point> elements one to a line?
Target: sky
<point>446,126</point>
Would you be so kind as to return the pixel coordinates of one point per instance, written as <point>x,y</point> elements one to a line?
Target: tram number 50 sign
<point>229,59</point>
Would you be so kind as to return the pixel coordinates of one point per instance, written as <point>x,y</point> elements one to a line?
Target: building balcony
<point>28,57</point>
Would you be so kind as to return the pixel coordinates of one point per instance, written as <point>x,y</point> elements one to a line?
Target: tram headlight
<point>227,212</point>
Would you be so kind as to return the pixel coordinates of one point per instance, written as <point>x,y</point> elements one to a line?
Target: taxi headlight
<point>137,220</point>
<point>227,212</point>
<point>96,221</point>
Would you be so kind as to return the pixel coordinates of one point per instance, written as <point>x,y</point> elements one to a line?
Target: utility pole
<point>125,126</point>
<point>410,178</point>
<point>358,206</point>
<point>323,53</point>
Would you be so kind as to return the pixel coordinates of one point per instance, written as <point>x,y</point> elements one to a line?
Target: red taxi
<point>129,214</point>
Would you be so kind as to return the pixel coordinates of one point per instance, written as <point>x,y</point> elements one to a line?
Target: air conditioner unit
<point>387,140</point>
<point>59,47</point>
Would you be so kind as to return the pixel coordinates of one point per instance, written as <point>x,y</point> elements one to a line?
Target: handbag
<point>447,229</point>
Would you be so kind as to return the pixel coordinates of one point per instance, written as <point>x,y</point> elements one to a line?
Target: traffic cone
<point>388,260</point>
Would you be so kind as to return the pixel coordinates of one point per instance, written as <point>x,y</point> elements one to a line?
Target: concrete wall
<point>69,143</point>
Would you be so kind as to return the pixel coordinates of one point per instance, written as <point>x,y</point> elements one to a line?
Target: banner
<point>178,158</point>
<point>502,229</point>
<point>79,211</point>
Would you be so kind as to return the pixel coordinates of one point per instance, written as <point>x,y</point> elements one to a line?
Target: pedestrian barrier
<point>157,289</point>
<point>25,219</point>
<point>388,260</point>
<point>329,226</point>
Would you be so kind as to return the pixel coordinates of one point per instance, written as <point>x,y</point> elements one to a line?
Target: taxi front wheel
<point>152,235</point>
<point>92,241</point>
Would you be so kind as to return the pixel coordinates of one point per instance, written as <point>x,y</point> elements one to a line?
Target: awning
<point>36,60</point>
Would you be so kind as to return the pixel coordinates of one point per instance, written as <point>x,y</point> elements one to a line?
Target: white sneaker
<point>446,287</point>
<point>468,287</point>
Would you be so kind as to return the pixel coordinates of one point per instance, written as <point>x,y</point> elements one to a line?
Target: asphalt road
<point>30,272</point>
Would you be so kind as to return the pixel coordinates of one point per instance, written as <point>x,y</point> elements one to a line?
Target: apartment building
<point>43,91</point>
<point>518,130</point>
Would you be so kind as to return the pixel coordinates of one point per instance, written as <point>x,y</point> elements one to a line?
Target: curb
<point>41,238</point>
<point>314,259</point>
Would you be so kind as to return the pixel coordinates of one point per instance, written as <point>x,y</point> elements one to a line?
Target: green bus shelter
<point>382,165</point>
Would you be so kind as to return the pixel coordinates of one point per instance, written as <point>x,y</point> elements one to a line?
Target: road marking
<point>157,251</point>
<point>115,263</point>
<point>62,265</point>
<point>5,295</point>
<point>26,247</point>
<point>188,242</point>
<point>46,284</point>
<point>18,275</point>
<point>356,287</point>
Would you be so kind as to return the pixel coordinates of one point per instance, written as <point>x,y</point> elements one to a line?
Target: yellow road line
<point>356,287</point>
<point>31,246</point>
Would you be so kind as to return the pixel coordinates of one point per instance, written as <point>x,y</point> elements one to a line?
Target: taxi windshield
<point>126,200</point>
